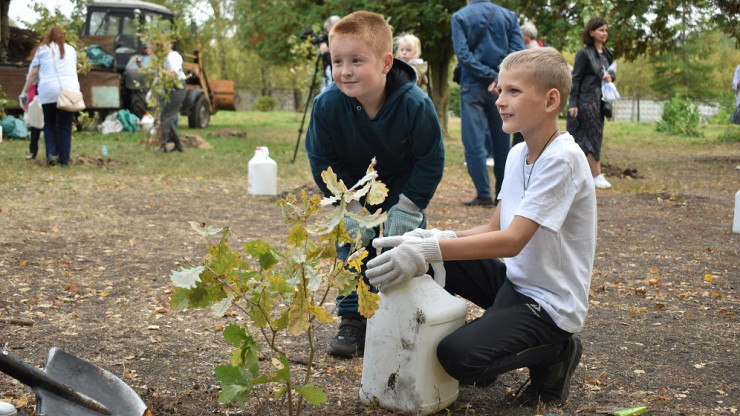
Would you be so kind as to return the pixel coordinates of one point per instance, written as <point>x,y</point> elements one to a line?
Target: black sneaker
<point>350,340</point>
<point>550,381</point>
<point>480,202</point>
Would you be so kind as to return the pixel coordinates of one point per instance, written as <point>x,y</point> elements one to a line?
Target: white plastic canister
<point>261,173</point>
<point>736,221</point>
<point>401,370</point>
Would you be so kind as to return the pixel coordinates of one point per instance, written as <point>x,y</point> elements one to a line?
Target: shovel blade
<point>90,380</point>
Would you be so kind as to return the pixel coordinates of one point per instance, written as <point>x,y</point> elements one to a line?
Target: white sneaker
<point>7,409</point>
<point>601,182</point>
<point>489,162</point>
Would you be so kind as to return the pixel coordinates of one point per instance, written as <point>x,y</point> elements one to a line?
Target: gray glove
<point>23,100</point>
<point>411,258</point>
<point>402,217</point>
<point>353,227</point>
<point>433,233</point>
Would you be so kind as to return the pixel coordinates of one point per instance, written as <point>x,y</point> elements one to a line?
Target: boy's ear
<point>387,62</point>
<point>553,100</point>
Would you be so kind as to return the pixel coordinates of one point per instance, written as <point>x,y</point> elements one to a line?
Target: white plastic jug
<point>736,220</point>
<point>400,370</point>
<point>261,173</point>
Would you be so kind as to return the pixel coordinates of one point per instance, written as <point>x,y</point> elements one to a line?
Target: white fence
<point>626,109</point>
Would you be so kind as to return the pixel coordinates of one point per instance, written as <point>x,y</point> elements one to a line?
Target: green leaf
<point>235,384</point>
<point>313,395</point>
<point>229,374</point>
<point>179,299</point>
<point>262,251</point>
<point>235,335</point>
<point>206,230</point>
<point>186,278</point>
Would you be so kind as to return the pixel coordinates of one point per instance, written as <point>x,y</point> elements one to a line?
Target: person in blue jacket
<point>483,34</point>
<point>373,110</point>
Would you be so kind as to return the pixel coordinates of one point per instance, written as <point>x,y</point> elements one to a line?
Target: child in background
<point>544,227</point>
<point>409,50</point>
<point>373,110</point>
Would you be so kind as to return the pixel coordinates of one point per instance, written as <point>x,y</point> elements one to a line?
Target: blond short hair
<point>412,40</point>
<point>547,69</point>
<point>368,27</point>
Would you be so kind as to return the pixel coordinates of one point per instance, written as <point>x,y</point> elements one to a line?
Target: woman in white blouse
<point>54,66</point>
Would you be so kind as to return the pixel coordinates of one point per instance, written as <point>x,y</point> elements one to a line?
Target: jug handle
<point>440,274</point>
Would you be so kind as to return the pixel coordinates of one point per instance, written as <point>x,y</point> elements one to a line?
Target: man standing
<point>483,34</point>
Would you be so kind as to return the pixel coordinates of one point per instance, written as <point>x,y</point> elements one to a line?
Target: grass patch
<point>627,145</point>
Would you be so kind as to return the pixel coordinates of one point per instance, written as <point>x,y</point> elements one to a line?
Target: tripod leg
<point>305,110</point>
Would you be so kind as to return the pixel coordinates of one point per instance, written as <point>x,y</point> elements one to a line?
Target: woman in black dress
<point>585,113</point>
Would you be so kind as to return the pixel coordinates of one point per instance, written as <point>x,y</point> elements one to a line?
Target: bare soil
<point>87,263</point>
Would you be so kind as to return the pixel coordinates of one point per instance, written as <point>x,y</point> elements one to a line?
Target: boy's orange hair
<point>368,27</point>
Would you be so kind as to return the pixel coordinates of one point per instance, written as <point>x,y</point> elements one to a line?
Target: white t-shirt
<point>49,84</point>
<point>555,266</point>
<point>174,63</point>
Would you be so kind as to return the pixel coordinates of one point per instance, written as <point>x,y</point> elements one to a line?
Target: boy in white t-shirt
<point>544,227</point>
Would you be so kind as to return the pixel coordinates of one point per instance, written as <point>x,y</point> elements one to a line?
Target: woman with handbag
<point>54,70</point>
<point>585,121</point>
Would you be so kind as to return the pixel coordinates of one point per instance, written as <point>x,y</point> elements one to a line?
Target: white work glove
<point>433,233</point>
<point>410,258</point>
<point>23,100</point>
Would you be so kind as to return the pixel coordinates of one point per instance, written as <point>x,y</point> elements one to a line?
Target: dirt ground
<point>87,263</point>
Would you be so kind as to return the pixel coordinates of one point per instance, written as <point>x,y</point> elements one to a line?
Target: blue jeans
<point>481,122</point>
<point>57,132</point>
<point>348,304</point>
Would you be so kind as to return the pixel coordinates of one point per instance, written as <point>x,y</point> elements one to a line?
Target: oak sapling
<point>283,292</point>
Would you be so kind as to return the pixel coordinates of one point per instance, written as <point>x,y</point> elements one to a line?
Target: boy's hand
<point>433,233</point>
<point>402,217</point>
<point>411,258</point>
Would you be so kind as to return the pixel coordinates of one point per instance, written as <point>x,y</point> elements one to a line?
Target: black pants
<point>514,332</point>
<point>168,116</point>
<point>33,146</point>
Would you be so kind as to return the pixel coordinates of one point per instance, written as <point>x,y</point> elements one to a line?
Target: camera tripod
<point>308,101</point>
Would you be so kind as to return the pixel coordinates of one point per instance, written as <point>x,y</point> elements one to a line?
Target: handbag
<point>70,100</point>
<point>67,100</point>
<point>606,108</point>
<point>735,117</point>
<point>34,117</point>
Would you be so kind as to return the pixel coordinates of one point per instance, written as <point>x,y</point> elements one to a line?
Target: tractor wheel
<point>138,103</point>
<point>200,114</point>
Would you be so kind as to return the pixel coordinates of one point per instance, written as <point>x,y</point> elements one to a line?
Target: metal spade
<point>71,386</point>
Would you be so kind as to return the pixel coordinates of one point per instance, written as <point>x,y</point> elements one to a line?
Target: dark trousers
<point>514,332</point>
<point>168,117</point>
<point>57,132</point>
<point>33,147</point>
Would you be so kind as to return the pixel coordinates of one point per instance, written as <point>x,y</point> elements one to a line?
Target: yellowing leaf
<point>708,277</point>
<point>367,301</point>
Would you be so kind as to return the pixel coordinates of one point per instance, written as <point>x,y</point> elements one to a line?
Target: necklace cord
<point>525,185</point>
